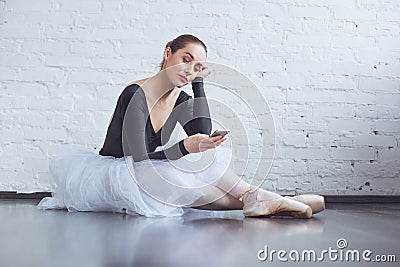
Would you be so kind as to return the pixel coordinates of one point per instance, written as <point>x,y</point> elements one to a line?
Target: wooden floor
<point>32,237</point>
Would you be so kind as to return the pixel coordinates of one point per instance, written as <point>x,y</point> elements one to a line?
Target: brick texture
<point>330,71</point>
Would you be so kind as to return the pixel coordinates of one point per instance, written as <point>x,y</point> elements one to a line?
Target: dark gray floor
<point>31,237</point>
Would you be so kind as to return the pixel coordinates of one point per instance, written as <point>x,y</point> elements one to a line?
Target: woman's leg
<point>217,199</point>
<point>232,184</point>
<point>227,192</point>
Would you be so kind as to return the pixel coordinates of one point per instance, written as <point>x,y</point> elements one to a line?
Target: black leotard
<point>131,124</point>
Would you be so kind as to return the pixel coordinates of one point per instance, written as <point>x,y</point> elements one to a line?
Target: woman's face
<point>183,66</point>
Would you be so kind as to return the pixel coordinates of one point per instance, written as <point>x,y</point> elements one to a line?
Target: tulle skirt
<point>85,181</point>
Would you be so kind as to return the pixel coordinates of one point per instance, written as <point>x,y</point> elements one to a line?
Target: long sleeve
<point>134,141</point>
<point>196,116</point>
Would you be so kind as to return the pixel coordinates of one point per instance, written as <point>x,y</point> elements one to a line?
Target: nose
<point>189,70</point>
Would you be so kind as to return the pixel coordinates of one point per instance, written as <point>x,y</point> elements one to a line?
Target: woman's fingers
<point>217,143</point>
<point>211,142</point>
<point>217,140</point>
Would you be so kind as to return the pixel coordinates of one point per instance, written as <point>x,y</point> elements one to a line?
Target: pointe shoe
<point>281,206</point>
<point>316,202</point>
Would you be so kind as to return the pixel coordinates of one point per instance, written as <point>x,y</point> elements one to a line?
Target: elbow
<point>207,128</point>
<point>199,125</point>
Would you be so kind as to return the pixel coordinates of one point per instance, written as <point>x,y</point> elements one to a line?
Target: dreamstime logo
<point>341,243</point>
<point>341,254</point>
<point>235,103</point>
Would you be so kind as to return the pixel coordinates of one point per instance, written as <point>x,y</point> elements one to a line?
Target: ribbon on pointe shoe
<point>249,189</point>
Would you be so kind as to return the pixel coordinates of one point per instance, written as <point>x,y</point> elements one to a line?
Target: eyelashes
<point>197,67</point>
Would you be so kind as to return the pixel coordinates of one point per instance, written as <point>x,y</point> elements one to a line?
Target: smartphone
<point>219,132</point>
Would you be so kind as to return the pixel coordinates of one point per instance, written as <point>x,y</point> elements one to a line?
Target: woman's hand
<point>205,71</point>
<point>202,142</point>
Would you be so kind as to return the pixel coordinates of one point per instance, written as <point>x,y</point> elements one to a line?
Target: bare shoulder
<point>139,82</point>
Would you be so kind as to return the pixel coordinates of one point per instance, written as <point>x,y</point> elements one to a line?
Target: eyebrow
<point>189,55</point>
<point>193,58</point>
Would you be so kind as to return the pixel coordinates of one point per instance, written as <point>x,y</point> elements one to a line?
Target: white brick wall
<point>329,69</point>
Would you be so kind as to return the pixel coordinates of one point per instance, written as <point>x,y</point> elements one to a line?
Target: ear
<point>167,52</point>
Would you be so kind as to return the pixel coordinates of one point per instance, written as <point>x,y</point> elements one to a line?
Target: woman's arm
<point>196,118</point>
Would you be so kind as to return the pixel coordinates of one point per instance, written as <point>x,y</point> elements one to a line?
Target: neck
<point>158,86</point>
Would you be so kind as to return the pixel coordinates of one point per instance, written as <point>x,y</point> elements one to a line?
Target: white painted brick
<point>20,6</point>
<point>375,140</point>
<point>366,111</point>
<point>388,99</point>
<point>329,96</point>
<point>18,32</point>
<point>12,162</point>
<point>334,168</point>
<point>13,116</point>
<point>368,169</point>
<point>89,76</point>
<point>349,67</point>
<point>35,164</point>
<point>354,14</point>
<point>388,112</point>
<point>296,140</point>
<point>45,134</point>
<point>349,125</point>
<point>333,110</point>
<point>313,12</point>
<point>387,126</point>
<point>21,60</point>
<point>378,85</point>
<point>93,49</point>
<point>303,124</point>
<point>389,154</point>
<point>390,15</point>
<point>258,8</point>
<point>274,94</point>
<point>191,20</point>
<point>333,82</point>
<point>113,63</point>
<point>263,64</point>
<point>7,74</point>
<point>24,89</point>
<point>389,43</point>
<point>39,103</point>
<point>13,102</point>
<point>41,74</point>
<point>326,140</point>
<point>57,61</point>
<point>14,135</point>
<point>353,153</point>
<point>352,42</point>
<point>297,39</point>
<point>299,167</point>
<point>83,6</point>
<point>306,153</point>
<point>329,71</point>
<point>384,70</point>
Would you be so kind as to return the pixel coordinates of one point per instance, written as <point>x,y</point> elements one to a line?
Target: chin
<point>180,84</point>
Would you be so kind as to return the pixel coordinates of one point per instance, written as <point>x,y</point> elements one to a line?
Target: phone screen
<point>219,132</point>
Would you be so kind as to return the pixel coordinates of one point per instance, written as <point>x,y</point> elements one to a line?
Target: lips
<point>183,79</point>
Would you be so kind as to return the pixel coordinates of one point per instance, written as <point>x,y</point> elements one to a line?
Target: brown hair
<point>180,42</point>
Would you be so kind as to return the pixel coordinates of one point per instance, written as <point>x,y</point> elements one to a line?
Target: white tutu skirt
<point>85,181</point>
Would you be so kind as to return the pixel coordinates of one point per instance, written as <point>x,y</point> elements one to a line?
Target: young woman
<point>138,172</point>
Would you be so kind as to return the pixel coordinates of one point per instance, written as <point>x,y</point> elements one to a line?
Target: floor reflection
<point>198,238</point>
